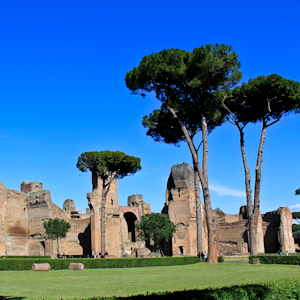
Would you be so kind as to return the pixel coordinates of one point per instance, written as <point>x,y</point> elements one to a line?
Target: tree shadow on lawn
<point>11,298</point>
<point>249,292</point>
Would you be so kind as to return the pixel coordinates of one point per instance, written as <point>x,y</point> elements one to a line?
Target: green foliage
<point>109,163</point>
<point>156,227</point>
<point>277,290</point>
<point>56,228</point>
<point>297,192</point>
<point>296,227</point>
<point>221,259</point>
<point>190,82</point>
<point>264,99</point>
<point>26,257</point>
<point>91,263</point>
<point>276,259</point>
<point>296,215</point>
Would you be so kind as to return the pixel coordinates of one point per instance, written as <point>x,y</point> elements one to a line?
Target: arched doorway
<point>131,219</point>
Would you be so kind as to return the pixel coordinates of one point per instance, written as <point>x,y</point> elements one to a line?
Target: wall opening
<point>43,247</point>
<point>181,249</point>
<point>130,220</point>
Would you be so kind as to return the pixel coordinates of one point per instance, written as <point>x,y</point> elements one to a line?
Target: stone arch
<point>131,219</point>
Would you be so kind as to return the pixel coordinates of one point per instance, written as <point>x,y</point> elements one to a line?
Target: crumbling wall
<point>233,237</point>
<point>181,207</point>
<point>14,222</point>
<point>112,221</point>
<point>21,223</point>
<point>277,227</point>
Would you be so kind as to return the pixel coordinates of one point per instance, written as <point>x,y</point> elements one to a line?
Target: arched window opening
<point>181,249</point>
<point>131,219</point>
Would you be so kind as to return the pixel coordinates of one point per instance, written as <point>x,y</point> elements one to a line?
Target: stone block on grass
<point>76,266</point>
<point>41,267</point>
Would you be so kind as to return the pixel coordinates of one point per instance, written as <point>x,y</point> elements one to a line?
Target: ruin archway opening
<point>181,249</point>
<point>43,247</point>
<point>131,219</point>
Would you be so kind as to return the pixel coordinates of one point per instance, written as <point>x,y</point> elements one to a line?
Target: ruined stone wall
<point>181,207</point>
<point>21,223</point>
<point>274,229</point>
<point>233,237</point>
<point>277,228</point>
<point>13,224</point>
<point>112,221</point>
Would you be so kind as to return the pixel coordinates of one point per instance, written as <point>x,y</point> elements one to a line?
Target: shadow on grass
<point>247,292</point>
<point>11,298</point>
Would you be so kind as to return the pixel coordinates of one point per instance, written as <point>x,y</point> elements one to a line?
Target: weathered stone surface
<point>76,266</point>
<point>22,215</point>
<point>274,229</point>
<point>120,235</point>
<point>21,223</point>
<point>181,207</point>
<point>41,267</point>
<point>27,187</point>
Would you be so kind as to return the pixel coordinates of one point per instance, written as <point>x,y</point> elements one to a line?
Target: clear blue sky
<point>62,92</point>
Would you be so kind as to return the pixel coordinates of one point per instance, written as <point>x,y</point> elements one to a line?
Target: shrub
<point>91,263</point>
<point>276,259</point>
<point>220,259</point>
<point>25,257</point>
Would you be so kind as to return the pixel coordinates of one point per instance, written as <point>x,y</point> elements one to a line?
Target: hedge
<point>276,259</point>
<point>92,263</point>
<point>277,290</point>
<point>25,257</point>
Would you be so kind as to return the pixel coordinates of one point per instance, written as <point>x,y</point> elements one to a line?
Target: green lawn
<point>65,284</point>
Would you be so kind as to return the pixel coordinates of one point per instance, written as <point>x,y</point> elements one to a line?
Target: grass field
<point>65,284</point>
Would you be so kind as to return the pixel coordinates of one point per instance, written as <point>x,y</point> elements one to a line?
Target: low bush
<point>25,257</point>
<point>91,263</point>
<point>276,259</point>
<point>277,290</point>
<point>220,259</point>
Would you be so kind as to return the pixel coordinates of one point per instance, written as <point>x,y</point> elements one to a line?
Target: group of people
<point>202,255</point>
<point>61,255</point>
<point>286,252</point>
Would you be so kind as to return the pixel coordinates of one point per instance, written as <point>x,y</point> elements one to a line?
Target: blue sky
<point>62,93</point>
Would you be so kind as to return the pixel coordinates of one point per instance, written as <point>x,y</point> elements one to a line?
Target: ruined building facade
<point>274,228</point>
<point>22,215</point>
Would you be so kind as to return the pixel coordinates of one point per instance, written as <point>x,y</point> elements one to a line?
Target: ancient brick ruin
<point>274,228</point>
<point>22,215</point>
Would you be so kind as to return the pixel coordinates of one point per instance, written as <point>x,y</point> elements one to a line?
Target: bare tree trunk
<point>257,183</point>
<point>105,190</point>
<point>251,226</point>
<point>198,211</point>
<point>212,223</point>
<point>258,168</point>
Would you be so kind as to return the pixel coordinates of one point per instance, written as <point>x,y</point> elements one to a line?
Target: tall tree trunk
<point>258,168</point>
<point>212,223</point>
<point>57,246</point>
<point>198,211</point>
<point>251,225</point>
<point>256,212</point>
<point>105,190</point>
